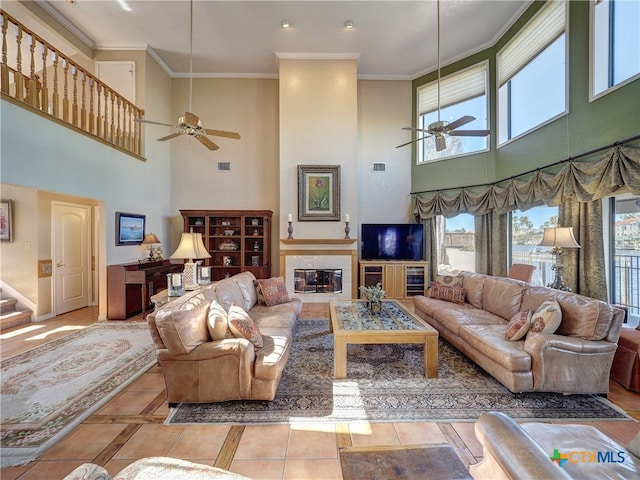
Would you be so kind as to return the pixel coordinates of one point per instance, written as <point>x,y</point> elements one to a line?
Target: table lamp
<point>191,246</point>
<point>558,238</point>
<point>151,239</point>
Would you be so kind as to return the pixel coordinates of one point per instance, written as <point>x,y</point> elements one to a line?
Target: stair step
<point>8,305</point>
<point>13,319</point>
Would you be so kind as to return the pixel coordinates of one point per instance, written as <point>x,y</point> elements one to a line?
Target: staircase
<point>9,316</point>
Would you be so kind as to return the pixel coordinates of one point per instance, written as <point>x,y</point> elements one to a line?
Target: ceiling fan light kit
<point>190,123</point>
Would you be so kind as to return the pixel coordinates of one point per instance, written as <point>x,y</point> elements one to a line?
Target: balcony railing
<point>35,73</point>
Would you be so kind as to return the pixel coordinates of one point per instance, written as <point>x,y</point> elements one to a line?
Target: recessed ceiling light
<point>72,2</point>
<point>286,24</point>
<point>348,24</point>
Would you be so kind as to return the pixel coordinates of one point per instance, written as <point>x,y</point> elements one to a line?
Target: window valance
<point>617,172</point>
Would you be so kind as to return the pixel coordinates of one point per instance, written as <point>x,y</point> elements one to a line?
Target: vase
<point>375,306</point>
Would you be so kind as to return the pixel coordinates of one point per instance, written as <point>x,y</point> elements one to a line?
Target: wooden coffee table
<point>352,323</point>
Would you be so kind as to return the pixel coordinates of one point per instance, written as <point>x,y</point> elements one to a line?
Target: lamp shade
<point>559,237</point>
<point>191,246</point>
<point>151,239</point>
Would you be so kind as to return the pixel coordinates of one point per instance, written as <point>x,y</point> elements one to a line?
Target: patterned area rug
<point>47,391</point>
<point>386,384</point>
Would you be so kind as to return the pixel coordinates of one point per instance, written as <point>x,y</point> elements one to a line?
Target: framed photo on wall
<point>129,228</point>
<point>318,193</point>
<point>6,221</point>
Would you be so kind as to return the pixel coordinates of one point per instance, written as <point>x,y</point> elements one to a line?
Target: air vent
<point>224,166</point>
<point>379,167</point>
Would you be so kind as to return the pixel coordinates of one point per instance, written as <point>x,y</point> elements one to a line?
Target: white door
<point>71,256</point>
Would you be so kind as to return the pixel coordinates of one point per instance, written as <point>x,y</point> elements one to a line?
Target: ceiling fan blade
<point>141,120</point>
<point>169,137</point>
<point>470,133</point>
<point>222,133</point>
<point>441,143</point>
<point>415,129</point>
<point>191,118</point>
<point>206,142</point>
<point>413,141</point>
<point>461,121</point>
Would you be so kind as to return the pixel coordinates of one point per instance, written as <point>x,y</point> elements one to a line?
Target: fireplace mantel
<point>318,241</point>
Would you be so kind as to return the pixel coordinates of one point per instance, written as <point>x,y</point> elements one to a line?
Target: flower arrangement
<point>374,293</point>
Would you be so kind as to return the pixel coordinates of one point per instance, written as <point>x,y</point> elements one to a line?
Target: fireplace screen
<point>317,280</point>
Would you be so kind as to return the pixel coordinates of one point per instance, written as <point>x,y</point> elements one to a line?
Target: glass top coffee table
<point>353,323</point>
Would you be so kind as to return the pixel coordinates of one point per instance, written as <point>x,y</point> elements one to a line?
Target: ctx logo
<point>587,457</point>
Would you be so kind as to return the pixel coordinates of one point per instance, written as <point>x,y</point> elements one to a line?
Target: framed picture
<point>6,221</point>
<point>318,193</point>
<point>129,228</point>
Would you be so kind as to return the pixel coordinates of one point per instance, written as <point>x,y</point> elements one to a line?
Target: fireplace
<point>314,280</point>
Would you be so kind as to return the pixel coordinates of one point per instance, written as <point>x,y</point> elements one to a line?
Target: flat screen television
<point>392,241</point>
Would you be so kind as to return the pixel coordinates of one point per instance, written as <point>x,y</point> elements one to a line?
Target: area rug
<point>385,383</point>
<point>432,462</point>
<point>50,389</point>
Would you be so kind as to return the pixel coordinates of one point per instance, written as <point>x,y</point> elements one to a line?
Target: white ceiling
<point>391,39</point>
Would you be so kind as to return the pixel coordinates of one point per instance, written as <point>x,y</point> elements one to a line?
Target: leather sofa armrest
<point>510,448</point>
<point>209,350</point>
<point>534,344</point>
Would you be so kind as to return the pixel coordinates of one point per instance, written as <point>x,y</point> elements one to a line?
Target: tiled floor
<point>130,427</point>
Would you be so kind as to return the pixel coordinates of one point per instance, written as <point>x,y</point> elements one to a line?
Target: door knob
<point>61,264</point>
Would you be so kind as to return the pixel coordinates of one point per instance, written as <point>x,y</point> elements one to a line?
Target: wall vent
<point>224,166</point>
<point>379,167</point>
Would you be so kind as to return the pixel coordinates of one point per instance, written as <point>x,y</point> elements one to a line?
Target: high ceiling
<point>391,39</point>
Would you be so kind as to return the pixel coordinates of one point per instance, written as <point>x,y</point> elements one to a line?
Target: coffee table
<point>353,323</point>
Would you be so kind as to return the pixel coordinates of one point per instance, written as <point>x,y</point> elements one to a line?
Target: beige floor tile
<point>622,432</point>
<point>84,443</point>
<point>150,441</point>
<point>114,466</point>
<point>312,444</point>
<point>50,470</point>
<point>200,442</point>
<point>419,433</point>
<point>129,402</point>
<point>313,469</point>
<point>263,442</point>
<point>151,381</point>
<point>12,473</point>
<point>259,469</point>
<point>466,431</point>
<point>378,434</point>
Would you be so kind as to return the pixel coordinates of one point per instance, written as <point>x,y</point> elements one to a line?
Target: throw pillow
<point>450,280</point>
<point>546,318</point>
<point>243,326</point>
<point>447,293</point>
<point>518,326</point>
<point>272,291</point>
<point>217,322</point>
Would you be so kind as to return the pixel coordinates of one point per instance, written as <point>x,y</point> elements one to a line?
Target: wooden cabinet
<point>400,280</point>
<point>237,240</point>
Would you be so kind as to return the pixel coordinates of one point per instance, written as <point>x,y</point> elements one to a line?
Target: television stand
<point>399,279</point>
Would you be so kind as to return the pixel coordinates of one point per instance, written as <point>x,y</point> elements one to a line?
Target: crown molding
<point>75,31</point>
<point>316,56</point>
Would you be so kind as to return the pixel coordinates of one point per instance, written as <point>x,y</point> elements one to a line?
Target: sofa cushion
<point>546,319</point>
<point>518,326</point>
<point>450,280</point>
<point>269,358</point>
<point>184,327</point>
<point>447,293</point>
<point>246,282</point>
<point>272,291</point>
<point>473,283</point>
<point>217,322</point>
<point>228,293</point>
<point>502,296</point>
<point>242,326</point>
<point>489,340</point>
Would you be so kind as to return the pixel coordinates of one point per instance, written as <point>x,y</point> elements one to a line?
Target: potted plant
<point>373,296</point>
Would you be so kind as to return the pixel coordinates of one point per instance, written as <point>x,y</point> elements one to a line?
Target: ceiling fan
<point>440,128</point>
<point>190,123</point>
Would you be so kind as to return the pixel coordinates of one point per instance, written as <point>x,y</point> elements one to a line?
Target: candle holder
<point>290,231</point>
<point>347,230</point>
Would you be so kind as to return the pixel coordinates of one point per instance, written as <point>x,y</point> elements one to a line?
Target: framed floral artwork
<point>318,193</point>
<point>6,221</point>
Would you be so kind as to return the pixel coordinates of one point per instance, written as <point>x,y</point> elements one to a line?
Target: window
<point>462,93</point>
<point>532,74</point>
<point>526,233</point>
<point>456,250</point>
<point>615,43</point>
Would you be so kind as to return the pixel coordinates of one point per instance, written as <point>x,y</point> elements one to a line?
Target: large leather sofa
<point>576,358</point>
<point>198,369</point>
<point>546,450</point>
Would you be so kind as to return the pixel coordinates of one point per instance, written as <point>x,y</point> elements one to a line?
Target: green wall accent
<point>586,126</point>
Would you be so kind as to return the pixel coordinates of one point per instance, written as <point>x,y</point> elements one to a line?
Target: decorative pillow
<point>546,318</point>
<point>272,291</point>
<point>217,322</point>
<point>449,294</point>
<point>449,280</point>
<point>242,326</point>
<point>184,328</point>
<point>518,326</point>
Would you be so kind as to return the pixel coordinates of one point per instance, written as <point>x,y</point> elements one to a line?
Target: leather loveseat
<point>200,369</point>
<point>576,358</point>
